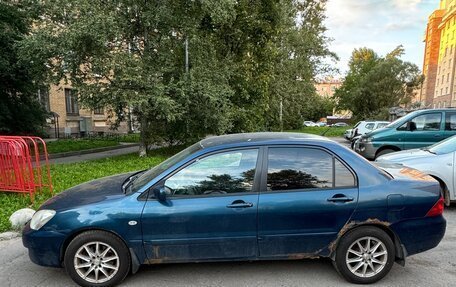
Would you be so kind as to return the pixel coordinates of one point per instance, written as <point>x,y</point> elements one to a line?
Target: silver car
<point>437,160</point>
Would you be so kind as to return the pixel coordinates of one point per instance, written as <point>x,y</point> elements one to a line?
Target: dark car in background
<point>245,197</point>
<point>418,129</point>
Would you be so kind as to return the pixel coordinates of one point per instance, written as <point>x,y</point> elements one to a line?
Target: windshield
<point>443,147</point>
<point>149,175</point>
<point>400,121</point>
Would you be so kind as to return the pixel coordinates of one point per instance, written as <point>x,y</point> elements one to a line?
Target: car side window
<point>305,168</point>
<point>343,176</point>
<point>370,126</point>
<point>222,173</point>
<point>426,122</point>
<point>450,121</point>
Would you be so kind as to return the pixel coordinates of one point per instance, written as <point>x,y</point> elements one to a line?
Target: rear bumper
<point>43,246</point>
<point>421,234</point>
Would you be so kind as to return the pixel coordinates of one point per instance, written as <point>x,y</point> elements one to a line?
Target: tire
<point>384,151</point>
<point>110,272</point>
<point>353,271</point>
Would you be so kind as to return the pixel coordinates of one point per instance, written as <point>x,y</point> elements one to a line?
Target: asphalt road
<point>436,267</point>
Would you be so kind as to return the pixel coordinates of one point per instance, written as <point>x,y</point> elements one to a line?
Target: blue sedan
<point>261,196</point>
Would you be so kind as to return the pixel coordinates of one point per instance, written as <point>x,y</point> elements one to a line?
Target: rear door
<point>307,195</point>
<point>450,124</point>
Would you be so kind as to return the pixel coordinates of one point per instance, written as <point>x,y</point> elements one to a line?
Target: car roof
<point>261,138</point>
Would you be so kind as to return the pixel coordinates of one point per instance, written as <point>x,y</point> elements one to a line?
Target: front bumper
<point>43,246</point>
<point>367,150</point>
<point>421,234</point>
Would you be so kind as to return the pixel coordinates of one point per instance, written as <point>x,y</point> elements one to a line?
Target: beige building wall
<point>327,88</point>
<point>75,120</point>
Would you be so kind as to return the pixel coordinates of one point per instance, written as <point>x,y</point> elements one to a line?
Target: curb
<point>88,151</point>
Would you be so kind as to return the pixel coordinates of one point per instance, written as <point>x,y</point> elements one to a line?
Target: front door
<point>305,200</point>
<point>427,130</point>
<point>210,212</point>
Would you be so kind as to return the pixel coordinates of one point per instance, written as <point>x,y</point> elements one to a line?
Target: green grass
<point>129,138</point>
<point>65,176</point>
<point>67,145</point>
<point>328,131</point>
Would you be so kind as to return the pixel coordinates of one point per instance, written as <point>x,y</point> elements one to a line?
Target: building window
<point>43,98</point>
<point>98,111</point>
<point>71,102</point>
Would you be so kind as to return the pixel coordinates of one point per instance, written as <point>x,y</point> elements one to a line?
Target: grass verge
<point>60,146</point>
<point>65,176</point>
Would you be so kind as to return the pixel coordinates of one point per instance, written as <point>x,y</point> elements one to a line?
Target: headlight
<point>40,218</point>
<point>367,139</point>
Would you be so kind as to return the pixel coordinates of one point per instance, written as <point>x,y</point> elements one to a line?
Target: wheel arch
<point>382,148</point>
<point>400,251</point>
<point>444,187</point>
<point>135,264</point>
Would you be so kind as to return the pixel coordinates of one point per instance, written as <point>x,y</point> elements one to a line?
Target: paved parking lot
<point>436,267</point>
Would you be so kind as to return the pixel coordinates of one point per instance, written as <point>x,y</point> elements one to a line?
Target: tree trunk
<point>142,137</point>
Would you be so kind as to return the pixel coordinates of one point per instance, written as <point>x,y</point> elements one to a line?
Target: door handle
<point>239,204</point>
<point>340,198</point>
<point>437,136</point>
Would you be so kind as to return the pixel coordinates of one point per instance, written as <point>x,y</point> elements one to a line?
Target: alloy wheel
<point>96,262</point>
<point>366,257</point>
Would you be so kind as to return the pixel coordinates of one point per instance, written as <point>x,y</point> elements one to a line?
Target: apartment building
<point>67,117</point>
<point>439,65</point>
<point>327,87</point>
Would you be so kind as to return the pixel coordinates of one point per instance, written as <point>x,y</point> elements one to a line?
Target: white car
<point>437,160</point>
<point>310,124</point>
<point>364,127</point>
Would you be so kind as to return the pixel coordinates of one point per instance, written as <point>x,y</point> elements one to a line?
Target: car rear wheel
<point>365,255</point>
<point>97,258</point>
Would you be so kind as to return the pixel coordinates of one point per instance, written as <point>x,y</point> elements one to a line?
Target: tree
<point>300,49</point>
<point>374,84</point>
<point>20,112</point>
<point>245,57</point>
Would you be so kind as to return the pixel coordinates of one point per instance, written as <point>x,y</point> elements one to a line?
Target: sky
<point>378,24</point>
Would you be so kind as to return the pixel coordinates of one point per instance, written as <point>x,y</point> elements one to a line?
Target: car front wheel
<point>97,258</point>
<point>365,255</point>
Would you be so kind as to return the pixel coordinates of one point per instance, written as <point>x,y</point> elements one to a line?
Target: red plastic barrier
<point>20,166</point>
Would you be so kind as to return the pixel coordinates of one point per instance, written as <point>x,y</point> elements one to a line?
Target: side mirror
<point>160,193</point>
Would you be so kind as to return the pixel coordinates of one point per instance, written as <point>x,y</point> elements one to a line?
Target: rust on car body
<point>349,225</point>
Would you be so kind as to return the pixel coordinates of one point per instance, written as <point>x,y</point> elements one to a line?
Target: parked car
<point>364,127</point>
<point>415,130</point>
<point>261,196</point>
<point>321,124</point>
<point>438,160</point>
<point>309,124</point>
<point>354,141</point>
<point>341,124</point>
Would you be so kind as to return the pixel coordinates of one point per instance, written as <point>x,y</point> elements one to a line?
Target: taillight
<point>437,209</point>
